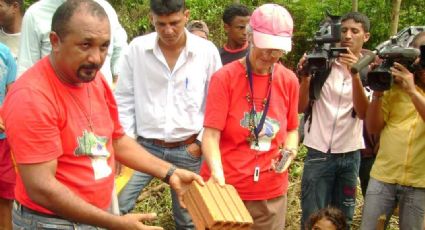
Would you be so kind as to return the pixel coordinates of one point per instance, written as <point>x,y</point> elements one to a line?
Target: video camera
<point>324,46</point>
<point>393,50</point>
<point>318,60</point>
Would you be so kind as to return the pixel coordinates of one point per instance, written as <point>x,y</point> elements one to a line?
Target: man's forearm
<point>46,191</point>
<point>63,202</point>
<point>419,102</point>
<point>132,155</point>
<point>374,117</point>
<point>360,101</point>
<point>304,94</point>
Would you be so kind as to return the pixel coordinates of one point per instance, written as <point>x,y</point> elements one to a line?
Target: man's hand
<point>403,77</point>
<point>135,221</point>
<point>194,150</point>
<point>301,67</point>
<point>181,180</point>
<point>348,59</point>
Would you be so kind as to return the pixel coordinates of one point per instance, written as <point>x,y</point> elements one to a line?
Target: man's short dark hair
<point>359,18</point>
<point>63,14</point>
<point>10,2</point>
<point>165,7</point>
<point>20,3</point>
<point>233,11</point>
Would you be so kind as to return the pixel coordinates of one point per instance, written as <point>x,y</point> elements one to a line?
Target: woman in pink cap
<point>251,120</point>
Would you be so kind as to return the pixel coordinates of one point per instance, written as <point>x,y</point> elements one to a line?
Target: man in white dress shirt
<point>35,42</point>
<point>161,95</point>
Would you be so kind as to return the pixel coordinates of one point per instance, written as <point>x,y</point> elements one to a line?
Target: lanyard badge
<point>256,173</point>
<point>256,126</point>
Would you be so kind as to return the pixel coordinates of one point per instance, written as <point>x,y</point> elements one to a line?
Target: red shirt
<point>46,120</point>
<point>227,110</point>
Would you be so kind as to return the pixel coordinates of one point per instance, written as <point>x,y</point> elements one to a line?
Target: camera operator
<point>333,136</point>
<point>397,175</point>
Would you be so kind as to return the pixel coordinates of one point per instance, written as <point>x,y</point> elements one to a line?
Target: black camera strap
<point>256,129</point>
<point>318,80</point>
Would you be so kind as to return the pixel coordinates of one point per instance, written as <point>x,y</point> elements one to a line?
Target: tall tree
<point>395,15</point>
<point>355,5</point>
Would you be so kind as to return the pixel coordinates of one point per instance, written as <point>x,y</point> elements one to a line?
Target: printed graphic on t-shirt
<point>267,133</point>
<point>95,147</point>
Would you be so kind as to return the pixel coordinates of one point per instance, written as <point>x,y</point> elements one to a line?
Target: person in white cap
<point>252,117</point>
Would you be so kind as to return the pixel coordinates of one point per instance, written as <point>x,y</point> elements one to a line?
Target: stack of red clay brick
<point>214,207</point>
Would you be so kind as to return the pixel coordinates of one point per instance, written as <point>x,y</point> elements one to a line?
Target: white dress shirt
<point>333,127</point>
<point>156,102</point>
<point>36,27</point>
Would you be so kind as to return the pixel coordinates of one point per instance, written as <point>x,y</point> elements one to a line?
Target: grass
<point>160,202</point>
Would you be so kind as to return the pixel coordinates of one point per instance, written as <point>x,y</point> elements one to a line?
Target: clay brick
<point>216,208</point>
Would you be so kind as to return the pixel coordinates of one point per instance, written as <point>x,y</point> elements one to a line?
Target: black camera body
<point>396,49</point>
<point>324,46</point>
<point>318,60</point>
<point>380,78</point>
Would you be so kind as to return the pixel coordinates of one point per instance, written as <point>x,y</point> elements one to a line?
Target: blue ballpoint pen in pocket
<point>186,82</point>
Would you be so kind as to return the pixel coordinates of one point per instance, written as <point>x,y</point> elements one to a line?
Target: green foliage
<point>307,15</point>
<point>158,202</point>
<point>210,12</point>
<point>133,15</point>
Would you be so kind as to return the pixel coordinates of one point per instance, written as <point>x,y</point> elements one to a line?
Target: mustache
<point>90,66</point>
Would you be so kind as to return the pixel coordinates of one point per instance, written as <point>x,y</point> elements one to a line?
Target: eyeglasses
<point>274,53</point>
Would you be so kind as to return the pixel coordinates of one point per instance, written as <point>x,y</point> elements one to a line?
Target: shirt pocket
<point>191,90</point>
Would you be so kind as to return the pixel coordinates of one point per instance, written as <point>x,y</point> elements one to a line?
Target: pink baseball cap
<point>272,27</point>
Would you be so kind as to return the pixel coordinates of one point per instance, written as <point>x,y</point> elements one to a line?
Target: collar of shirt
<point>190,47</point>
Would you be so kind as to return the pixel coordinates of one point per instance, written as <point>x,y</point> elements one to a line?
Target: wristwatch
<point>170,172</point>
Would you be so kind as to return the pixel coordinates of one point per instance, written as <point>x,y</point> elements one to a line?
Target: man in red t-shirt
<point>62,123</point>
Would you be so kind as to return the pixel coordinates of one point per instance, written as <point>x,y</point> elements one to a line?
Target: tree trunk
<point>355,5</point>
<point>395,14</point>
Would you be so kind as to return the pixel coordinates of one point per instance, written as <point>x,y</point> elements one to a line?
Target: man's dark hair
<point>233,11</point>
<point>64,13</point>
<point>165,7</point>
<point>20,3</point>
<point>359,18</point>
<point>334,215</point>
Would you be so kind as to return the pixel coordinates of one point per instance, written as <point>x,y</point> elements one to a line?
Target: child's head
<point>327,219</point>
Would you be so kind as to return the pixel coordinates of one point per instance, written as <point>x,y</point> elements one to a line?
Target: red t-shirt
<point>227,110</point>
<point>47,119</point>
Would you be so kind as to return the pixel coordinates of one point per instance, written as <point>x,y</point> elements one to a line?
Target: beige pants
<point>268,214</point>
